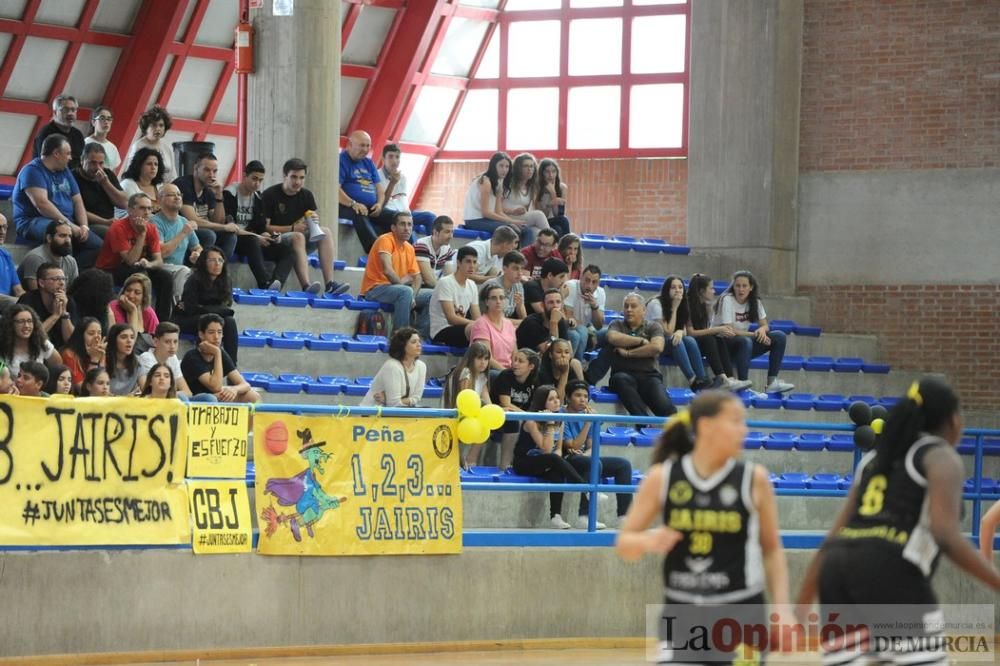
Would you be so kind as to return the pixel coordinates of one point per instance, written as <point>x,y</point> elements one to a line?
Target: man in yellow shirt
<point>392,275</point>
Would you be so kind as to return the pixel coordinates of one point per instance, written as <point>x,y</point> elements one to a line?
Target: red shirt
<point>120,238</point>
<point>533,263</point>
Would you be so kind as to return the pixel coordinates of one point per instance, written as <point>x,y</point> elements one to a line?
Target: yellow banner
<point>221,514</point>
<point>218,436</point>
<point>356,486</point>
<point>92,471</point>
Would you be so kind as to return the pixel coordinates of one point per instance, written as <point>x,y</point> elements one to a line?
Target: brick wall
<point>610,196</point>
<point>910,84</point>
<point>940,328</point>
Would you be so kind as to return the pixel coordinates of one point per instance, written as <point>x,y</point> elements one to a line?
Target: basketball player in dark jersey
<point>719,534</point>
<point>902,512</point>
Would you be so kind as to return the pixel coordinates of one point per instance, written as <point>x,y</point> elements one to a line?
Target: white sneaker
<point>275,285</point>
<point>602,497</point>
<point>778,386</point>
<point>581,522</point>
<point>559,523</point>
<point>316,287</point>
<point>737,384</point>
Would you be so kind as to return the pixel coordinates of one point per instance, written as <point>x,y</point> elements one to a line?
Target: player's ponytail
<point>679,431</point>
<point>927,407</point>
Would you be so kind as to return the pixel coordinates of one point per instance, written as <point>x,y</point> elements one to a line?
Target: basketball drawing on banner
<point>301,499</point>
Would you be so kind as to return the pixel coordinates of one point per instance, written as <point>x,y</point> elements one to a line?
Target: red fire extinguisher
<point>244,48</point>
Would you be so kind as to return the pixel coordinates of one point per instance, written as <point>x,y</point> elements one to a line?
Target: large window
<point>579,78</point>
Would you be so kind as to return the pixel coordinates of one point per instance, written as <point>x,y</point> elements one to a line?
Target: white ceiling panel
<point>194,87</point>
<point>159,81</point>
<point>227,109</point>
<point>36,69</point>
<point>461,43</point>
<point>116,16</point>
<point>91,72</point>
<point>430,113</point>
<point>60,12</point>
<point>13,9</point>
<point>15,133</point>
<point>365,42</point>
<point>184,20</point>
<point>5,39</point>
<point>218,28</point>
<point>350,93</point>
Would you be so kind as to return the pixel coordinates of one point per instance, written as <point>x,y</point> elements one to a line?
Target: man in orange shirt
<point>392,275</point>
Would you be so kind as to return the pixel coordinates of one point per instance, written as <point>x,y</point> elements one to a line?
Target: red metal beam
<point>215,100</point>
<point>180,54</point>
<point>17,43</point>
<point>347,27</point>
<point>134,78</point>
<point>26,28</point>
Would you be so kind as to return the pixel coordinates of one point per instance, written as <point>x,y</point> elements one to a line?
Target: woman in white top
<point>100,121</point>
<point>483,209</point>
<point>144,174</point>
<point>153,126</point>
<point>400,380</point>
<point>22,338</point>
<point>519,201</point>
<point>550,197</point>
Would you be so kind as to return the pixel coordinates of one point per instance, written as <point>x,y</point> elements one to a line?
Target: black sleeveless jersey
<point>892,507</point>
<point>719,558</point>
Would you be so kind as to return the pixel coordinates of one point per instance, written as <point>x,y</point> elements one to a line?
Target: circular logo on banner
<point>681,492</point>
<point>443,441</point>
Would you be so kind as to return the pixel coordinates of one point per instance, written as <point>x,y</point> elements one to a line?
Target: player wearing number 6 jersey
<point>719,534</point>
<point>903,511</point>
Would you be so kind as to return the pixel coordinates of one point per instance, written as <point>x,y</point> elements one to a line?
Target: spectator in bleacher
<point>161,383</point>
<point>209,369</point>
<point>670,309</point>
<point>711,339</point>
<point>60,381</point>
<point>391,274</point>
<point>577,445</point>
<point>96,384</point>
<point>166,340</point>
<point>539,329</point>
<point>201,193</point>
<point>153,127</point>
<point>92,291</point>
<point>121,361</point>
<point>493,329</point>
<point>31,379</point>
<point>519,200</point>
<point>454,303</point>
<point>551,196</point>
<point>472,373</point>
<point>483,209</point>
<point>23,339</point>
<point>558,366</point>
<point>538,452</point>
<point>85,349</point>
<point>132,305</point>
<point>435,258</point>
<point>144,173</point>
<point>513,287</point>
<point>512,390</point>
<point>99,188</point>
<point>490,253</point>
<point>291,211</point>
<point>209,290</point>
<point>46,190</point>
<point>54,307</point>
<point>100,124</point>
<point>554,275</point>
<point>244,206</point>
<point>362,190</point>
<point>400,380</point>
<point>569,249</point>
<point>535,254</point>
<point>635,371</point>
<point>10,283</point>
<point>397,191</point>
<point>57,249</point>
<point>8,385</point>
<point>583,306</point>
<point>738,307</point>
<point>133,246</point>
<point>178,238</point>
<point>64,109</point>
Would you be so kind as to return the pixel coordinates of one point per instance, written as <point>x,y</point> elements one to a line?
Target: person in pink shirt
<point>494,330</point>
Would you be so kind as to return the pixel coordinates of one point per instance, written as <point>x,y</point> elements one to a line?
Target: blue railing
<point>791,539</point>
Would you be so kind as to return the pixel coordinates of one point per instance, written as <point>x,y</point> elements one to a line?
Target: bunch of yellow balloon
<point>474,420</point>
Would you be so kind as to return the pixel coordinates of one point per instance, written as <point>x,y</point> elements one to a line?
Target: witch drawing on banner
<point>301,491</point>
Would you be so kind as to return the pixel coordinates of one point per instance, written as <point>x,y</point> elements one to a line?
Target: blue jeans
<point>422,313</point>
<point>688,357</point>
<point>744,348</point>
<point>578,336</point>
<point>201,397</point>
<point>619,468</point>
<point>423,218</point>
<point>85,253</point>
<point>484,224</point>
<point>400,296</point>
<point>223,240</point>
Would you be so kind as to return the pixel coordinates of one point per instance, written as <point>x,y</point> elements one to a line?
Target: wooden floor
<point>627,656</point>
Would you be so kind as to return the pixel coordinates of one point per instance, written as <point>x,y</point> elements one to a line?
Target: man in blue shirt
<point>46,190</point>
<point>10,284</point>
<point>362,190</point>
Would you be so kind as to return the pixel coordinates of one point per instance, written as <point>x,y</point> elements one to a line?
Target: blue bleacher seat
<point>791,362</point>
<point>279,385</point>
<point>781,441</point>
<point>765,401</point>
<point>327,302</point>
<point>431,349</point>
<point>810,331</point>
<point>619,281</point>
<point>316,387</point>
<point>841,442</point>
<point>649,284</point>
<point>292,378</point>
<point>258,379</point>
<point>333,380</point>
<point>293,299</point>
<point>652,245</point>
<point>617,436</point>
<point>359,304</point>
<point>875,368</point>
<point>647,436</point>
<point>812,441</point>
<point>796,480</point>
<point>818,363</point>
<point>359,386</point>
<point>888,401</point>
<point>829,402</point>
<point>754,440</point>
<point>592,241</point>
<point>784,325</point>
<point>799,401</point>
<point>363,261</point>
<point>321,344</point>
<point>604,395</point>
<point>281,342</point>
<point>759,362</point>
<point>846,481</point>
<point>867,399</point>
<point>246,298</point>
<point>848,364</point>
<point>824,481</point>
<point>680,396</point>
<point>251,340</point>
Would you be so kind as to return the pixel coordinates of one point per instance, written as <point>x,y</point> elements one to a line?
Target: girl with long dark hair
<point>121,362</point>
<point>483,200</point>
<point>143,174</point>
<point>512,390</point>
<point>22,338</point>
<point>710,338</point>
<point>472,372</point>
<point>519,202</point>
<point>670,309</point>
<point>209,290</point>
<point>551,196</point>
<point>85,349</point>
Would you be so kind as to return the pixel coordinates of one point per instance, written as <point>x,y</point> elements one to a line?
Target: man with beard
<point>99,188</point>
<point>539,329</point>
<point>57,249</point>
<point>50,302</point>
<point>64,109</point>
